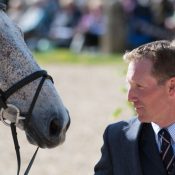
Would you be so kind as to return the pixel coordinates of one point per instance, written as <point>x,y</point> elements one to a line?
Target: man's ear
<point>171,86</point>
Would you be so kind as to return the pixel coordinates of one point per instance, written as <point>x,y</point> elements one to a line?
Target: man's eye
<point>139,86</point>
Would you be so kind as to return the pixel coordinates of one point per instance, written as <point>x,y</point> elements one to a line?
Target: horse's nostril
<point>55,128</point>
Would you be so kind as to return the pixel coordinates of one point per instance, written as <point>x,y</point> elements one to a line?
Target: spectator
<point>34,19</point>
<point>91,26</point>
<point>63,26</point>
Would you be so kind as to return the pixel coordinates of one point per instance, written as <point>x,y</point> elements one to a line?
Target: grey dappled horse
<point>49,121</point>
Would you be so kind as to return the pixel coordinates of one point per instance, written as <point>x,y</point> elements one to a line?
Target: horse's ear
<point>3,6</point>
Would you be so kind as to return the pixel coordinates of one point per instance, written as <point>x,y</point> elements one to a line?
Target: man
<point>140,146</point>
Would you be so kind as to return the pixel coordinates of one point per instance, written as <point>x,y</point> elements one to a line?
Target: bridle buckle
<point>11,114</point>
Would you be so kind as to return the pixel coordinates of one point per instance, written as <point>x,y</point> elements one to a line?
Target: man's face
<point>149,99</point>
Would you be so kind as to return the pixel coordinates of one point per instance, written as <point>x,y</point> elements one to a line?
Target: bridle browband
<point>4,95</point>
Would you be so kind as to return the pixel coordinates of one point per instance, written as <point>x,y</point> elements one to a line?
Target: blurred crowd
<point>58,23</point>
<point>87,23</point>
<point>148,20</point>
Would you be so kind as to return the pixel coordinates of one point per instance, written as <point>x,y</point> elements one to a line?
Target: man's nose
<point>131,95</point>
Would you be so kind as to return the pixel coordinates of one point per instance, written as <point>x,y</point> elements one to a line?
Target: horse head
<point>49,119</point>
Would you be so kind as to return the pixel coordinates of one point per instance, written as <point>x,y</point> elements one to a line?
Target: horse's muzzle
<point>50,134</point>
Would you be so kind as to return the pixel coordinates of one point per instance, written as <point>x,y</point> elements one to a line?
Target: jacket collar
<point>130,138</point>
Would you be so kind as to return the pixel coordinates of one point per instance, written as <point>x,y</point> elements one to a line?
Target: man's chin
<point>143,119</point>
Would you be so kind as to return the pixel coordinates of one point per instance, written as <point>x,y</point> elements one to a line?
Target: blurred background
<point>80,43</point>
<point>109,26</point>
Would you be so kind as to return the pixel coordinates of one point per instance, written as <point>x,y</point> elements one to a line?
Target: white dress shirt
<point>171,130</point>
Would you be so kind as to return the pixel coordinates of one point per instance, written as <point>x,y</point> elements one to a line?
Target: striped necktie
<point>166,151</point>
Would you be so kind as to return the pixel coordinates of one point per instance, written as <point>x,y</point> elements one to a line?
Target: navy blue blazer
<point>130,149</point>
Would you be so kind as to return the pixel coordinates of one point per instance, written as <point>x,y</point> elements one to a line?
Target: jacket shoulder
<point>116,129</point>
<point>123,124</point>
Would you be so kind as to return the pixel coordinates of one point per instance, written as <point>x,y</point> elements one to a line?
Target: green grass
<point>67,56</point>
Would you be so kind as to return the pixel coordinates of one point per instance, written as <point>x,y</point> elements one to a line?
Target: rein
<point>15,120</point>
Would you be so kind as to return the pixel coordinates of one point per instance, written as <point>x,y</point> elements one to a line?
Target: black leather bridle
<point>4,95</point>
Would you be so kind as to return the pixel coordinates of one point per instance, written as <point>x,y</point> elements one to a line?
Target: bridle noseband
<point>15,120</point>
<point>5,95</point>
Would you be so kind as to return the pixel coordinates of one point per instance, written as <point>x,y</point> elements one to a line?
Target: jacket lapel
<point>130,139</point>
<point>149,147</point>
<point>135,133</point>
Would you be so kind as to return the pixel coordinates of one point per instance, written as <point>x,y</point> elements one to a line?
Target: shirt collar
<point>171,130</point>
